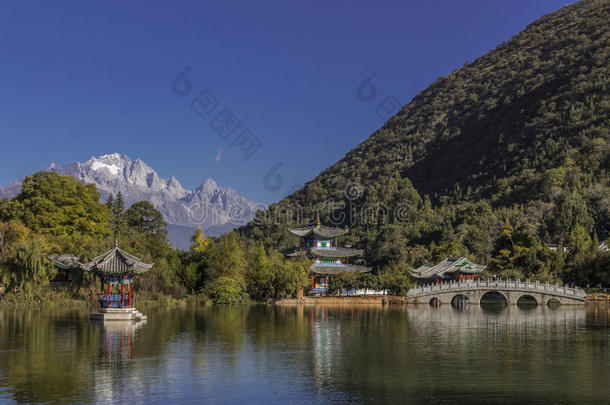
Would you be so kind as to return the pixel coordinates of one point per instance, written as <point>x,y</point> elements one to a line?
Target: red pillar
<point>129,293</point>
<point>312,282</point>
<point>122,294</point>
<point>109,288</point>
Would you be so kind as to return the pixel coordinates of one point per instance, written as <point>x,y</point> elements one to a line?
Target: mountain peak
<point>137,181</point>
<point>210,183</point>
<point>112,156</point>
<point>208,187</point>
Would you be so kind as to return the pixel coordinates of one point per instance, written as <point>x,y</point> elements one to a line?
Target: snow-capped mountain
<point>210,207</point>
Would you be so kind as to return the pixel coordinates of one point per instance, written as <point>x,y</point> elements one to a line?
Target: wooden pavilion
<point>452,268</point>
<point>117,270</point>
<point>328,259</point>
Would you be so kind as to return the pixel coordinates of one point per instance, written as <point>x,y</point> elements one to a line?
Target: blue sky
<point>82,79</point>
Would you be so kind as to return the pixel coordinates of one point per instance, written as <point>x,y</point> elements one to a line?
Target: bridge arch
<point>460,299</point>
<point>527,299</point>
<point>494,295</point>
<point>553,302</point>
<point>434,302</point>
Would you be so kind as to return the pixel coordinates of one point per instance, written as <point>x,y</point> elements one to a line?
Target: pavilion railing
<point>113,300</point>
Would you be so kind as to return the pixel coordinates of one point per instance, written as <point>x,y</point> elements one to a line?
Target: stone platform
<point>117,314</point>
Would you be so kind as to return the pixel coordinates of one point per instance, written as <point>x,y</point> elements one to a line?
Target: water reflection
<point>116,339</point>
<point>299,354</point>
<point>598,314</point>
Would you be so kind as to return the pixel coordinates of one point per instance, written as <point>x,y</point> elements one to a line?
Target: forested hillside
<point>496,160</point>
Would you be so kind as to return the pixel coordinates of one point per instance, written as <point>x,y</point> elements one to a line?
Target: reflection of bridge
<point>513,290</point>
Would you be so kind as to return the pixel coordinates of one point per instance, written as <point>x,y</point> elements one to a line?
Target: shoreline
<point>51,299</point>
<point>343,300</point>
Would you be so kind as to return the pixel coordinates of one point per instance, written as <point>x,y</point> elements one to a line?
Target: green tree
<point>226,290</point>
<point>55,205</point>
<point>289,276</point>
<point>188,276</point>
<point>28,265</point>
<point>229,263</point>
<point>260,277</point>
<point>143,218</point>
<point>395,279</point>
<point>199,242</point>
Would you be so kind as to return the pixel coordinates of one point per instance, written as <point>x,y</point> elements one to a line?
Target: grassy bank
<point>53,297</point>
<point>47,298</point>
<point>160,299</point>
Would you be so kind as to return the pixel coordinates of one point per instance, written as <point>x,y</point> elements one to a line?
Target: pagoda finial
<point>318,221</point>
<point>116,242</point>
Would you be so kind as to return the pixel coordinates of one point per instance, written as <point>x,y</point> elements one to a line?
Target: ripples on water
<point>335,354</point>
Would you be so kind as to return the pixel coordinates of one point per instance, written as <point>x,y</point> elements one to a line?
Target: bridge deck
<point>506,286</point>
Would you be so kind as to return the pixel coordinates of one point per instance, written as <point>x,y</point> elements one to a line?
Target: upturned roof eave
<point>130,263</point>
<point>319,230</point>
<point>336,269</point>
<point>336,252</point>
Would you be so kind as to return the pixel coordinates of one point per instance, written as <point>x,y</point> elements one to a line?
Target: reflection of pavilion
<point>324,336</point>
<point>328,338</point>
<point>116,339</point>
<point>116,351</point>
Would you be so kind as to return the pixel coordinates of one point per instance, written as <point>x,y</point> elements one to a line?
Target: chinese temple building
<point>328,259</point>
<point>117,270</point>
<point>65,265</point>
<point>451,268</point>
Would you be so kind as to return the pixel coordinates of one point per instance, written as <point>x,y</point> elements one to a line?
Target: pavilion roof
<point>65,261</point>
<point>449,265</point>
<point>335,252</point>
<point>320,230</point>
<point>299,252</point>
<point>337,269</point>
<point>323,252</point>
<point>116,261</point>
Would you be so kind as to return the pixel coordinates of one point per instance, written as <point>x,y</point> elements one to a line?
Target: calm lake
<point>335,354</point>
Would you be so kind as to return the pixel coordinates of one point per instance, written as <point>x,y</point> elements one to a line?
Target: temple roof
<point>65,261</point>
<point>335,252</point>
<point>116,261</point>
<point>296,252</point>
<point>324,252</point>
<point>320,230</point>
<point>336,269</point>
<point>449,265</point>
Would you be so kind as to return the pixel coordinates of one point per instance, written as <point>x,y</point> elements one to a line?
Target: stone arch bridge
<point>513,290</point>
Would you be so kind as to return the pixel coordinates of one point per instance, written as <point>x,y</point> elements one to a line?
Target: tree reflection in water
<point>302,354</point>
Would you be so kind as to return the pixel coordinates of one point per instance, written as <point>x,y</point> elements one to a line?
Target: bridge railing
<point>506,284</point>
